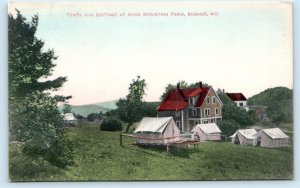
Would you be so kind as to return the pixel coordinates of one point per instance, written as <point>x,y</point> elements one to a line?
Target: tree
<point>130,109</point>
<point>232,112</point>
<point>183,84</point>
<point>228,127</point>
<point>34,118</point>
<point>67,108</point>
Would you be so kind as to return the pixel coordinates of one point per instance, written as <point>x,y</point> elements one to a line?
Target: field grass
<point>99,157</point>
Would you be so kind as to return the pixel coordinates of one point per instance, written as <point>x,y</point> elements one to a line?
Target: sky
<point>244,47</point>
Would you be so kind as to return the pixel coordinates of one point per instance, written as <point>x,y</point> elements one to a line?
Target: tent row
<point>270,138</point>
<point>163,130</point>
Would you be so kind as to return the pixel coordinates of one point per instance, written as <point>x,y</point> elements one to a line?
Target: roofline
<point>216,95</point>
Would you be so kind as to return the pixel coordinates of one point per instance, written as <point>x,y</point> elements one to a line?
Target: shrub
<point>228,127</point>
<point>111,124</point>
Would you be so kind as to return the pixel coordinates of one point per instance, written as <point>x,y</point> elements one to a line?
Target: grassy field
<point>99,157</point>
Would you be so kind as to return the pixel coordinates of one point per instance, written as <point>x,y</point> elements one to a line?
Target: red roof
<point>176,100</point>
<point>236,96</point>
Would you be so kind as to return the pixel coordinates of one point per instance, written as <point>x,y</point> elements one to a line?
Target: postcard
<point>150,91</point>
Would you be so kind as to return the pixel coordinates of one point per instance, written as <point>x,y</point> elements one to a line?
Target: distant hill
<point>279,103</point>
<point>87,109</point>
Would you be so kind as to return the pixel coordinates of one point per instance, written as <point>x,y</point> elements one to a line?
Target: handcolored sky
<point>246,48</point>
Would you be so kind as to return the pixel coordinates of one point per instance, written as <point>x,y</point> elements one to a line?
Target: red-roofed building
<point>191,106</point>
<point>239,99</point>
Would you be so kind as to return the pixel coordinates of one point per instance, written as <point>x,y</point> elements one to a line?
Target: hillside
<point>278,102</point>
<point>87,109</point>
<point>99,157</point>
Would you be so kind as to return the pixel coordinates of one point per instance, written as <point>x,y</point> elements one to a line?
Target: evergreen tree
<point>34,118</point>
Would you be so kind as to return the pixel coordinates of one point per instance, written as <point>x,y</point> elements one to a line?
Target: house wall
<point>244,105</point>
<point>211,106</point>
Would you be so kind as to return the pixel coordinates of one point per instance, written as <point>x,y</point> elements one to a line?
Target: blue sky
<point>246,48</point>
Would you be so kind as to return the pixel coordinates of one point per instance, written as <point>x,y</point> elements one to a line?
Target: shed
<point>157,131</point>
<point>70,119</point>
<point>272,138</point>
<point>245,137</point>
<point>209,131</point>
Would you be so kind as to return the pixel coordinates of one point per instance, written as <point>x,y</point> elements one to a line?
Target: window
<point>206,111</point>
<point>178,124</point>
<point>177,113</point>
<point>207,100</point>
<point>216,111</point>
<point>191,101</point>
<point>214,100</point>
<point>194,112</point>
<point>205,121</point>
<point>241,104</point>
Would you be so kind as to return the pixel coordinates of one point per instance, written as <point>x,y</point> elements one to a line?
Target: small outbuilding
<point>70,119</point>
<point>156,131</point>
<point>209,131</point>
<point>273,138</point>
<point>245,137</point>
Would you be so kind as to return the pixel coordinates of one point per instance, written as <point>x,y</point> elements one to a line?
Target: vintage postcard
<point>150,91</point>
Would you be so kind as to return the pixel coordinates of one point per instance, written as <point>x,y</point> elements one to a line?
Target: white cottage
<point>209,131</point>
<point>272,138</point>
<point>157,131</point>
<point>245,137</point>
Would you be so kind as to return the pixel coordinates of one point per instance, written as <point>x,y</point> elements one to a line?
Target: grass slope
<point>99,157</point>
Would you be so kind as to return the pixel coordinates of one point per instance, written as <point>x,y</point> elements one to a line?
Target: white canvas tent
<point>245,137</point>
<point>209,131</point>
<point>272,138</point>
<point>70,119</point>
<point>157,130</point>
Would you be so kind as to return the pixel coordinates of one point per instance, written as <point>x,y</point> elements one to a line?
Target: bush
<point>111,124</point>
<point>228,127</point>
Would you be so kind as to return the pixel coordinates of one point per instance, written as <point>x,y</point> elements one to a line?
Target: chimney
<point>181,93</point>
<point>200,84</point>
<point>223,90</point>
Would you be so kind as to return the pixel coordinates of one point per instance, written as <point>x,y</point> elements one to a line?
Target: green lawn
<point>98,156</point>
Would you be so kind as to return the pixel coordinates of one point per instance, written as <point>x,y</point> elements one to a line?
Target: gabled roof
<point>236,96</point>
<point>154,124</point>
<point>275,133</point>
<point>248,133</point>
<point>208,128</point>
<point>177,99</point>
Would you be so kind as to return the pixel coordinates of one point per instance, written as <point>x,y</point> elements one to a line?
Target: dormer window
<point>207,100</point>
<point>191,101</point>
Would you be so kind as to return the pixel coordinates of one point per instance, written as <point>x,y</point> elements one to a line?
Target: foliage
<point>111,124</point>
<point>279,103</point>
<point>99,157</point>
<point>183,84</point>
<point>228,127</point>
<point>234,113</point>
<point>149,109</point>
<point>67,108</point>
<point>130,109</point>
<point>94,116</point>
<point>34,118</point>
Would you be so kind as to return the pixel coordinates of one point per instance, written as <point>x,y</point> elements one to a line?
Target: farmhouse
<point>245,137</point>
<point>70,119</point>
<point>239,99</point>
<point>208,131</point>
<point>156,131</point>
<point>272,138</point>
<point>191,106</point>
